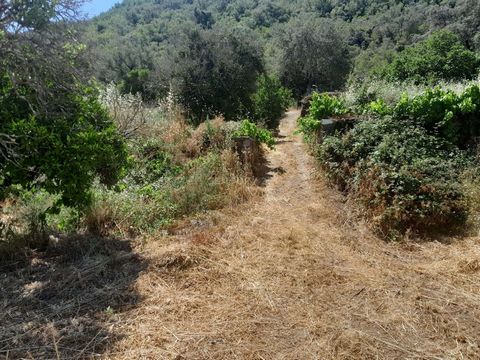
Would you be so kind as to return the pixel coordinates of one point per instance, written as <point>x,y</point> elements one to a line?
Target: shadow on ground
<point>263,171</point>
<point>62,303</point>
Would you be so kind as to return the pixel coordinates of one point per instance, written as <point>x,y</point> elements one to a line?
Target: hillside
<point>136,33</point>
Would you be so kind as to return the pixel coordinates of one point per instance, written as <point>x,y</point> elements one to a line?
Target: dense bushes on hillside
<point>453,117</point>
<point>135,34</point>
<point>404,178</point>
<point>440,57</point>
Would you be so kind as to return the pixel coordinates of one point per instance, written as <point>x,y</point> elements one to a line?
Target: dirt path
<point>293,277</point>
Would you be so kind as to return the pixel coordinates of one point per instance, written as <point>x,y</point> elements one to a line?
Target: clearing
<point>292,275</point>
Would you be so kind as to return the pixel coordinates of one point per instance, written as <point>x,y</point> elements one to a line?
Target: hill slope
<point>135,33</point>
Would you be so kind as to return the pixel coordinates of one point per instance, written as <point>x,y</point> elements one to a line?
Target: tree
<point>137,81</point>
<point>270,100</point>
<point>312,54</point>
<point>203,18</point>
<point>213,72</point>
<point>440,57</point>
<point>54,134</point>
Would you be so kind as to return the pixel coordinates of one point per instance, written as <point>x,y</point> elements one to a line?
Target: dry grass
<point>293,276</point>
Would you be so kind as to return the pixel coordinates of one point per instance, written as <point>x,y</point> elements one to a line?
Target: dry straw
<point>293,275</point>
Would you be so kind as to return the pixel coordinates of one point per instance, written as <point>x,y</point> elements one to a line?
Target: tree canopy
<point>440,57</point>
<point>212,71</point>
<point>136,33</point>
<point>54,134</point>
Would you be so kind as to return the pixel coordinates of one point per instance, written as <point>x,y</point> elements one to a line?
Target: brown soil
<point>291,276</point>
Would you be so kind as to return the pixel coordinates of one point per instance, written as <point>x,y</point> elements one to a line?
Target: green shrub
<point>204,183</point>
<point>270,101</point>
<point>322,106</point>
<point>440,57</point>
<point>262,136</point>
<point>63,151</point>
<point>308,126</point>
<point>403,177</point>
<point>454,117</point>
<point>378,107</point>
<point>152,161</point>
<point>28,220</point>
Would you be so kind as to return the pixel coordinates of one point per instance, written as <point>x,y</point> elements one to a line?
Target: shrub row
<point>402,163</point>
<point>403,177</point>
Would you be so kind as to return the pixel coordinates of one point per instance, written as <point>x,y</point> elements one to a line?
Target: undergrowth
<point>403,161</point>
<point>174,170</point>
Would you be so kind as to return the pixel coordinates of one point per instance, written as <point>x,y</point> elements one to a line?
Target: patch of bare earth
<point>290,276</point>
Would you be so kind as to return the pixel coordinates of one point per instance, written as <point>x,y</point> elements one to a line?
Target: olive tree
<point>213,71</point>
<point>312,53</point>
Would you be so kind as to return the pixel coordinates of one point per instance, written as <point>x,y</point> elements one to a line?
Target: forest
<point>135,145</point>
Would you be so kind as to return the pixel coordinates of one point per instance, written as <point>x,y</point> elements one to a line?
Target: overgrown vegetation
<point>404,178</point>
<point>440,57</point>
<point>270,101</point>
<point>322,106</point>
<point>132,158</point>
<point>402,164</point>
<point>179,79</point>
<point>175,169</point>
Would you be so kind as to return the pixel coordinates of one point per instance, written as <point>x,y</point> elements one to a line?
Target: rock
<point>336,125</point>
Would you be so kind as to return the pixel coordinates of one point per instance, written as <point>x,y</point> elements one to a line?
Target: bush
<point>440,57</point>
<point>28,221</point>
<point>270,101</point>
<point>175,171</point>
<point>211,135</point>
<point>403,177</point>
<point>262,136</point>
<point>322,106</point>
<point>378,107</point>
<point>325,105</point>
<point>205,183</point>
<point>61,152</point>
<point>128,111</point>
<point>454,117</point>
